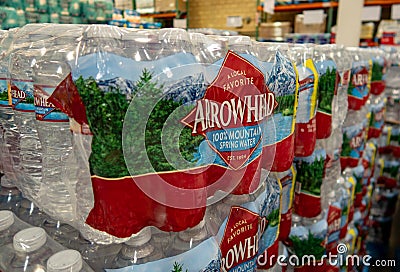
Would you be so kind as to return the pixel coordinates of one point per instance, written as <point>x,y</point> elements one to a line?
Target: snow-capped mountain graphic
<point>282,78</point>
<point>117,84</point>
<point>213,266</point>
<point>188,89</point>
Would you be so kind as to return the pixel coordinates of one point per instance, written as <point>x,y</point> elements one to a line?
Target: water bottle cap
<point>28,29</point>
<point>239,40</point>
<point>26,204</point>
<point>296,218</point>
<point>67,30</point>
<point>331,194</point>
<point>140,239</point>
<point>29,240</point>
<point>197,38</point>
<point>6,219</point>
<point>65,261</point>
<point>173,34</point>
<point>103,31</point>
<point>39,36</point>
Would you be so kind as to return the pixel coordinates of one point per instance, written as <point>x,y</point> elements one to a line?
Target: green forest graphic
<point>326,90</point>
<point>178,268</point>
<point>285,104</point>
<point>3,96</point>
<point>310,175</point>
<point>106,113</point>
<point>346,148</point>
<point>377,72</point>
<point>310,246</point>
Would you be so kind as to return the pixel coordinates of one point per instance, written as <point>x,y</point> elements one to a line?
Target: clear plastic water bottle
<point>139,249</point>
<point>188,239</point>
<point>53,126</point>
<point>67,260</point>
<point>3,90</point>
<point>10,199</point>
<point>206,49</point>
<point>24,113</point>
<point>97,256</point>
<point>60,231</point>
<point>9,226</point>
<point>28,251</point>
<point>10,135</point>
<point>30,213</point>
<point>94,37</point>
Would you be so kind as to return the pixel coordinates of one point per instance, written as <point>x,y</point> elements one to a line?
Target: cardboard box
<point>170,5</point>
<point>123,4</point>
<point>276,30</point>
<point>300,27</point>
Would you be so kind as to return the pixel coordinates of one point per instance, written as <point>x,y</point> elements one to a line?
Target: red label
<point>285,225</point>
<point>122,208</point>
<point>334,217</point>
<point>357,140</point>
<point>377,87</point>
<point>231,109</point>
<point>305,138</point>
<point>361,78</point>
<point>239,245</point>
<point>283,150</point>
<point>346,77</point>
<point>324,125</point>
<point>307,205</point>
<point>269,257</point>
<point>358,88</point>
<point>66,98</point>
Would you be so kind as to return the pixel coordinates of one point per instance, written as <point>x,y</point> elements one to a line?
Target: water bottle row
<point>58,79</point>
<point>27,248</point>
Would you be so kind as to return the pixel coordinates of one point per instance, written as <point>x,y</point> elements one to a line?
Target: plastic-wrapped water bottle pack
<point>163,150</point>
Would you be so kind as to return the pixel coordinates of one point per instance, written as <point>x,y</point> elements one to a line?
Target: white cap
<point>239,40</point>
<point>173,34</point>
<point>65,261</point>
<point>29,240</point>
<point>6,219</point>
<point>140,239</point>
<point>197,38</point>
<point>103,31</point>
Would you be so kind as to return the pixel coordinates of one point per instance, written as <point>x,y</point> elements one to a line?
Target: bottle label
<point>239,244</point>
<point>348,207</point>
<point>230,111</point>
<point>358,91</point>
<point>310,173</point>
<point>352,146</point>
<point>268,244</point>
<point>369,161</point>
<point>308,86</point>
<point>388,172</point>
<point>327,88</point>
<point>305,238</point>
<point>377,78</point>
<point>246,234</point>
<point>204,257</point>
<point>306,125</point>
<point>22,95</point>
<point>345,79</point>
<point>4,93</point>
<point>376,121</point>
<point>282,80</point>
<point>203,131</point>
<point>287,183</point>
<point>334,219</point>
<point>45,110</point>
<point>358,175</point>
